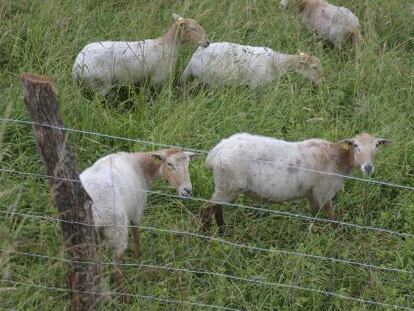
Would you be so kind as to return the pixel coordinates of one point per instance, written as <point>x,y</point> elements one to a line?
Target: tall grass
<point>369,91</point>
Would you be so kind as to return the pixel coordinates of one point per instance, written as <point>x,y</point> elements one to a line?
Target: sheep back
<point>270,168</point>
<point>224,63</point>
<point>123,63</point>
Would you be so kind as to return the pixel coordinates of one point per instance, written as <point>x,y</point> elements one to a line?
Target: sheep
<point>102,65</point>
<point>118,185</point>
<point>332,23</point>
<point>278,170</point>
<point>224,63</point>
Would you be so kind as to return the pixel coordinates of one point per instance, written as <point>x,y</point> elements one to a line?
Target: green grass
<point>369,91</point>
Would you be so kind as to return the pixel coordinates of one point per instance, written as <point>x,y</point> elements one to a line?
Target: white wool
<point>117,189</point>
<point>105,64</point>
<point>267,167</point>
<point>278,170</point>
<point>332,23</point>
<point>224,63</point>
<point>118,185</point>
<point>109,63</point>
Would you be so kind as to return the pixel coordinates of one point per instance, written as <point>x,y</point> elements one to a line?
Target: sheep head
<point>364,147</point>
<point>190,31</point>
<point>173,168</point>
<point>310,67</point>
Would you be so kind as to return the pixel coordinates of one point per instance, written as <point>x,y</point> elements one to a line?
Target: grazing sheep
<point>278,170</point>
<point>105,64</point>
<point>332,23</point>
<point>117,184</point>
<point>225,63</point>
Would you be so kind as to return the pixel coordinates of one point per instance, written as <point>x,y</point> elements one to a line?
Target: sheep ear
<point>158,156</point>
<point>178,19</point>
<point>192,155</point>
<point>383,142</point>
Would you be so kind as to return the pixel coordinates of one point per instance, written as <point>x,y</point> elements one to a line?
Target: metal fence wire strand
<point>256,281</point>
<point>373,181</point>
<point>147,297</point>
<point>226,204</point>
<point>234,244</point>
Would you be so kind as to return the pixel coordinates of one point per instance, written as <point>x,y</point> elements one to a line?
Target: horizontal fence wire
<point>227,242</point>
<point>252,248</point>
<point>373,181</point>
<point>226,204</point>
<point>147,297</point>
<point>256,281</point>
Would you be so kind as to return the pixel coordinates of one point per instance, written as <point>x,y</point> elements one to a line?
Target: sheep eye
<point>356,146</point>
<point>170,165</point>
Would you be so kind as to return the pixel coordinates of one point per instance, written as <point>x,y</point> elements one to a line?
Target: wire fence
<point>112,293</point>
<point>216,239</point>
<point>373,181</point>
<point>248,207</point>
<point>227,242</point>
<point>255,281</point>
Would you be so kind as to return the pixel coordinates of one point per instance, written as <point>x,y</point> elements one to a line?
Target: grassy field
<point>371,90</point>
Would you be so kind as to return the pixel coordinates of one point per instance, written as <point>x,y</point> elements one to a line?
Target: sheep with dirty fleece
<point>332,23</point>
<point>105,64</point>
<point>225,63</point>
<point>278,170</point>
<point>118,185</point>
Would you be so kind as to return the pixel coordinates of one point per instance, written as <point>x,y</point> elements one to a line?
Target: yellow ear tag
<point>180,21</point>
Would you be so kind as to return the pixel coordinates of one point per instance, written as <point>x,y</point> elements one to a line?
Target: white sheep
<point>277,170</point>
<point>105,64</point>
<point>332,23</point>
<point>224,63</point>
<point>117,185</point>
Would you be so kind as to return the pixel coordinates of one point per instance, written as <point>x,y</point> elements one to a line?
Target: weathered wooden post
<point>72,201</point>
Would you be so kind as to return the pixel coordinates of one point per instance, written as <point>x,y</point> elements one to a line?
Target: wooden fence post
<point>71,199</point>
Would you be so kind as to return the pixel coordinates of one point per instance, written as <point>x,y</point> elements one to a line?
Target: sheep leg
<point>205,216</point>
<point>184,88</point>
<point>184,81</point>
<point>117,275</point>
<point>136,235</point>
<point>330,212</point>
<point>218,214</point>
<point>119,280</point>
<point>118,238</point>
<point>223,197</point>
<point>313,204</point>
<point>101,87</point>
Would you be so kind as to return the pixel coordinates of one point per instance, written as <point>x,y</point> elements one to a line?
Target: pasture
<point>370,90</point>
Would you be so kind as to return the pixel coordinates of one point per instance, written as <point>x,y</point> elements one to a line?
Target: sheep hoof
<point>137,253</point>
